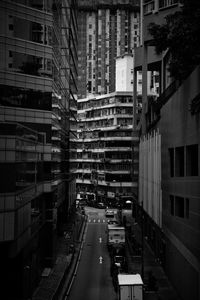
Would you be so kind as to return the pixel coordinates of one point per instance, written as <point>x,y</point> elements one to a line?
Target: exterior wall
<point>38,110</point>
<point>150,195</point>
<point>124,77</point>
<point>105,146</point>
<point>176,115</point>
<point>155,12</point>
<point>22,90</point>
<point>180,129</point>
<point>124,74</point>
<point>106,31</point>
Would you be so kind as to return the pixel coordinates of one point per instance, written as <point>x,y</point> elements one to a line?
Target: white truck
<point>130,287</point>
<point>116,235</point>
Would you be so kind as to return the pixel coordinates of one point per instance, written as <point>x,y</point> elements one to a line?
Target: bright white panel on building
<point>124,76</point>
<point>150,193</point>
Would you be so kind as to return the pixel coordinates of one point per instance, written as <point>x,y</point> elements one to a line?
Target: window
<point>179,207</point>
<point>171,204</point>
<point>10,27</point>
<point>171,159</point>
<point>179,161</point>
<point>192,160</point>
<point>184,161</point>
<point>187,208</point>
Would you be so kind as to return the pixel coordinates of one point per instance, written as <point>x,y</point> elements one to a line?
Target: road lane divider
<point>100,259</point>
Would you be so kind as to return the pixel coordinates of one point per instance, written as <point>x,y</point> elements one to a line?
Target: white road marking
<point>100,259</point>
<point>100,240</point>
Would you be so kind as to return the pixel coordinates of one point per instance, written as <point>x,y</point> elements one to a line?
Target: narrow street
<point>93,279</point>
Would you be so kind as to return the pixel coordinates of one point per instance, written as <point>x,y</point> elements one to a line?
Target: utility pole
<point>134,124</point>
<point>142,241</point>
<point>144,100</point>
<point>96,182</point>
<point>134,93</point>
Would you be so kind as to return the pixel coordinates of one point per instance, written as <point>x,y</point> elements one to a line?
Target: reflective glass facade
<point>38,72</point>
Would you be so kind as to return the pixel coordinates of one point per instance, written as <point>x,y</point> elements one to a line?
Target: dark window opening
<point>179,207</point>
<point>171,204</point>
<point>187,208</point>
<point>179,161</point>
<point>192,160</point>
<point>10,27</point>
<point>171,159</point>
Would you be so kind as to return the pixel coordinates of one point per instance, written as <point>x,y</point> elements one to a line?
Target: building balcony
<point>117,149</point>
<point>120,160</point>
<point>84,181</point>
<point>81,171</point>
<point>55,149</point>
<point>121,184</point>
<point>56,138</point>
<point>119,138</point>
<point>118,171</point>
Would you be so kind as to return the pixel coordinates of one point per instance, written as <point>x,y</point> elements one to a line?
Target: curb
<point>63,290</point>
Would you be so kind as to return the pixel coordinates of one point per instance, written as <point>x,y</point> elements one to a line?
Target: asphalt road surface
<point>93,280</point>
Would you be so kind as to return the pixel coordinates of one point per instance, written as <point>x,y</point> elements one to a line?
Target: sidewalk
<point>59,278</point>
<point>165,289</point>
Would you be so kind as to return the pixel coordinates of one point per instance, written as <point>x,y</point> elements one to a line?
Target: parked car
<point>101,205</point>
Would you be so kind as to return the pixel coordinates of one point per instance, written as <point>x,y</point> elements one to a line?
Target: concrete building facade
<point>107,29</point>
<point>106,147</point>
<point>169,173</point>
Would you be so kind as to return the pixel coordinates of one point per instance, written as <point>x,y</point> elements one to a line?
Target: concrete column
<point>144,87</point>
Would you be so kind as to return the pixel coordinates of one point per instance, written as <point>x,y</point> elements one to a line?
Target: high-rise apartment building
<point>107,145</point>
<point>106,29</point>
<point>107,148</point>
<point>37,121</point>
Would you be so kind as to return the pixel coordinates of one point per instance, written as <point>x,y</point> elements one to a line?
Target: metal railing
<point>149,7</point>
<point>167,3</point>
<point>153,5</point>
